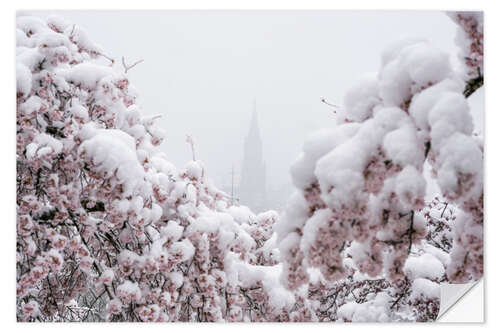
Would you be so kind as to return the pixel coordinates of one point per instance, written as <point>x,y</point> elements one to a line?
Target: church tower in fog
<point>252,189</point>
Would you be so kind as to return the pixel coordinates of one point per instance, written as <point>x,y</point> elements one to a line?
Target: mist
<point>203,71</point>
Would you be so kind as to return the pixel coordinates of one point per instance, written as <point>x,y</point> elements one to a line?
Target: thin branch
<point>330,105</point>
<point>128,67</point>
<point>473,84</point>
<point>72,31</point>
<point>400,297</point>
<point>444,209</point>
<point>109,58</point>
<point>153,118</point>
<point>190,141</point>
<point>411,231</point>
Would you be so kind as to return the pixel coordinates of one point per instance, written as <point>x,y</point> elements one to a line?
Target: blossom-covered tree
<point>109,230</point>
<point>361,185</point>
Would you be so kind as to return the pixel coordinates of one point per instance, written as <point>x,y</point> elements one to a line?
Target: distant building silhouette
<point>252,189</point>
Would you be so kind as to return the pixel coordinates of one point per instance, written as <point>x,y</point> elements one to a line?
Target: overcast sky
<point>203,69</point>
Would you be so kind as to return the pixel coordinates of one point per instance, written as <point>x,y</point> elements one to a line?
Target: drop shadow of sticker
<point>452,294</point>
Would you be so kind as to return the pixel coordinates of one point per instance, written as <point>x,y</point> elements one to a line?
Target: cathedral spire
<point>253,136</point>
<point>253,184</point>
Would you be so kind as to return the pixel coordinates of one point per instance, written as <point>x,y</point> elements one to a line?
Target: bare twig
<point>72,31</point>
<point>411,231</point>
<point>330,105</point>
<point>444,209</point>
<point>128,67</point>
<point>153,118</point>
<point>189,140</point>
<point>109,58</point>
<point>400,297</point>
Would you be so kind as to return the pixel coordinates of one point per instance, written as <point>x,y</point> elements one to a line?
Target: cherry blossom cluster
<point>361,185</point>
<point>359,297</point>
<point>108,228</point>
<point>470,41</point>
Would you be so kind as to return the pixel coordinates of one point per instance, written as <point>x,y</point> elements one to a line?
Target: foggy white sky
<point>203,69</point>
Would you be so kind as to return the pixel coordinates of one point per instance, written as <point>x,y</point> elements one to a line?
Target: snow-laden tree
<point>108,228</point>
<point>358,217</point>
<point>360,297</point>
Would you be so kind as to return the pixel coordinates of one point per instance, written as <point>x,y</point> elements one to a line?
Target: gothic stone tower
<point>253,176</point>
